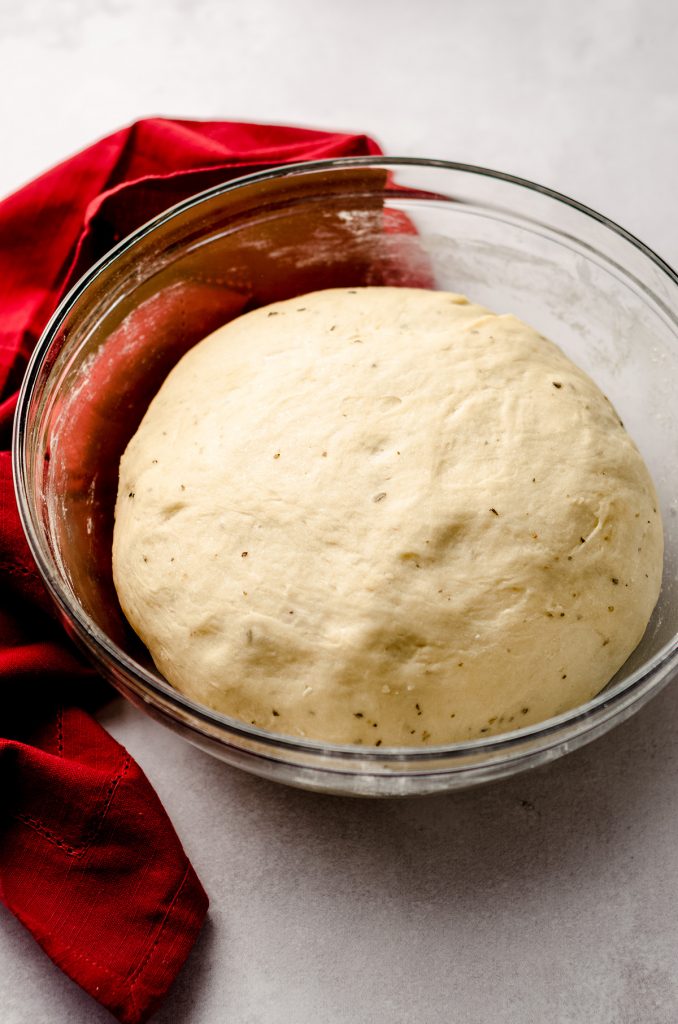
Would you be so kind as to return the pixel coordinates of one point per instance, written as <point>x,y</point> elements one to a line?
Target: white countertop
<point>548,899</point>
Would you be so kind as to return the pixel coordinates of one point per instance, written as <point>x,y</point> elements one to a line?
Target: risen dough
<point>385,516</point>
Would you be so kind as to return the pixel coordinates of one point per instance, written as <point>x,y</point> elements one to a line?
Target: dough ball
<point>385,516</point>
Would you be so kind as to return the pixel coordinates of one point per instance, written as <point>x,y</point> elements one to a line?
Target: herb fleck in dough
<point>385,516</point>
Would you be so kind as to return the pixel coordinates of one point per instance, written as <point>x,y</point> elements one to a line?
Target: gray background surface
<point>551,898</point>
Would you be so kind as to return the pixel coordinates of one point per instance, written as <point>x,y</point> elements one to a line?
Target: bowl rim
<point>545,734</point>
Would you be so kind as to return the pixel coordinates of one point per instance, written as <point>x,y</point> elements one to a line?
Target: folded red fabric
<point>89,861</point>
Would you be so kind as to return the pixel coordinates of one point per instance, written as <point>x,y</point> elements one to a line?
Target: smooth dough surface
<point>385,516</point>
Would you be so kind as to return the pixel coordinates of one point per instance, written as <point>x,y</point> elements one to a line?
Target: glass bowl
<point>513,246</point>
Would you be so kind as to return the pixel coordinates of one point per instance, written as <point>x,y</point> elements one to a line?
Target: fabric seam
<point>57,840</point>
<point>135,978</point>
<point>139,970</point>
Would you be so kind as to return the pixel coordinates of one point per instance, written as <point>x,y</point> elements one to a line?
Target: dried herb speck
<point>379,497</point>
<point>494,511</point>
<point>243,554</point>
<point>557,384</point>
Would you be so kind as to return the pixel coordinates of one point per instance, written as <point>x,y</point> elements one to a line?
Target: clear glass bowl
<point>513,246</point>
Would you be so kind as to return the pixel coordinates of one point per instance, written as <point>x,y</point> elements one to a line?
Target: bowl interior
<point>606,301</point>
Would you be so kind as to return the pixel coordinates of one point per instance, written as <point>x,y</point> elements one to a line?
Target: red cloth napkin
<point>89,861</point>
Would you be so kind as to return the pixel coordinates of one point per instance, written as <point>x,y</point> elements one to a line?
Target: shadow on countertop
<point>562,861</point>
<point>568,816</point>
